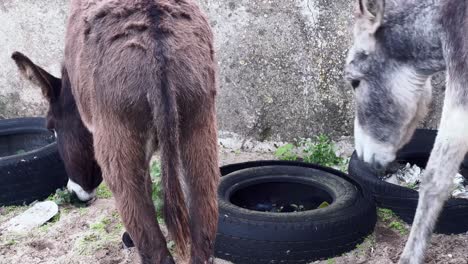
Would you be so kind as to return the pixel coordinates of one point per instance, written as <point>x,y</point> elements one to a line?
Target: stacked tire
<point>403,201</point>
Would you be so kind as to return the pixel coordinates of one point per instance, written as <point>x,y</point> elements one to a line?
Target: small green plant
<point>103,192</point>
<point>368,244</point>
<point>320,150</point>
<point>398,226</point>
<point>413,186</point>
<point>61,197</point>
<point>56,218</point>
<point>65,197</point>
<point>323,205</point>
<point>101,234</point>
<point>6,210</point>
<point>386,214</point>
<point>83,210</point>
<point>91,237</point>
<point>392,221</point>
<point>11,242</point>
<point>286,152</point>
<point>101,225</point>
<point>331,261</point>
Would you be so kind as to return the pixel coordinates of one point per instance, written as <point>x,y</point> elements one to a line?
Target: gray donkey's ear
<point>371,12</point>
<point>49,84</point>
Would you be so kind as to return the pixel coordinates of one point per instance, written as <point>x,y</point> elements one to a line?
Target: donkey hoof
<point>127,240</point>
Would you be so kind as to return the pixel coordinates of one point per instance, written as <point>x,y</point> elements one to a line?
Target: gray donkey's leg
<point>449,150</point>
<point>452,141</point>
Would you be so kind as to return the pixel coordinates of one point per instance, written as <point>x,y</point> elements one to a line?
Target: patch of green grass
<point>155,172</point>
<point>6,210</point>
<point>413,186</point>
<point>45,228</point>
<point>323,205</point>
<point>11,242</point>
<point>103,192</point>
<point>115,215</point>
<point>119,226</point>
<point>320,150</point>
<point>368,243</point>
<point>331,261</point>
<point>103,233</point>
<point>65,197</point>
<point>12,239</point>
<point>398,226</point>
<point>83,210</point>
<point>286,152</point>
<point>60,197</point>
<point>62,212</point>
<point>116,218</point>
<point>386,214</point>
<point>392,221</point>
<point>56,218</point>
<point>92,237</point>
<point>101,225</point>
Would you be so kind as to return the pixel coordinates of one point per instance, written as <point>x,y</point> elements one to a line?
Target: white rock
<point>34,217</point>
<point>392,179</point>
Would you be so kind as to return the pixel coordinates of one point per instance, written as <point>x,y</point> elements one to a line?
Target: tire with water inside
<point>247,235</point>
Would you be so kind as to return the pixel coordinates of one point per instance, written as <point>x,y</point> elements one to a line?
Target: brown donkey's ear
<point>49,84</point>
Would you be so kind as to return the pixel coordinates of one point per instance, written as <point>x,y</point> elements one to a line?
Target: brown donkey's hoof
<point>128,243</point>
<point>127,240</point>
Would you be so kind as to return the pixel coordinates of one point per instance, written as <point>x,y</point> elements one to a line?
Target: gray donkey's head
<point>389,72</point>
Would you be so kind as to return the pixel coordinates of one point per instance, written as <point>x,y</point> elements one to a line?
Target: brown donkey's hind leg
<point>120,153</point>
<point>200,156</point>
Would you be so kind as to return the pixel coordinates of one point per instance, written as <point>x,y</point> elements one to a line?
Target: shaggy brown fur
<point>143,75</point>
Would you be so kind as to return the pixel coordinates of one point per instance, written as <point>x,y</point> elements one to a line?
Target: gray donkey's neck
<point>411,33</point>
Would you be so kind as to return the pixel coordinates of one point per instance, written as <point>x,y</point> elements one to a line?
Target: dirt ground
<point>93,235</point>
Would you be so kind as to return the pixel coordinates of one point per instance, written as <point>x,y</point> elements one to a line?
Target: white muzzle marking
<point>370,150</point>
<point>80,193</point>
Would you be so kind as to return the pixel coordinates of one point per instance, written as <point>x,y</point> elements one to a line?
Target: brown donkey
<point>139,74</point>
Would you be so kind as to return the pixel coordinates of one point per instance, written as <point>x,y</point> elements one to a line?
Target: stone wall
<point>280,63</point>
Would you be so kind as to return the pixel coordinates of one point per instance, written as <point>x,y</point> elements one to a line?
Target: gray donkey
<point>398,45</point>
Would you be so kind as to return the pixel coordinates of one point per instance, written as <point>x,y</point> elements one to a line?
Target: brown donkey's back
<point>143,75</point>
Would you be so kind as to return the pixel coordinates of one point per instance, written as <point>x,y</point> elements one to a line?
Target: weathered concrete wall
<point>280,63</point>
<point>35,28</point>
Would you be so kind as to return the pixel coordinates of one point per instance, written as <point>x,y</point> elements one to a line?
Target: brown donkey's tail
<point>175,208</point>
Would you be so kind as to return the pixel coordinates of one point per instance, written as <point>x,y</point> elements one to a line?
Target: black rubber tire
<point>32,175</point>
<point>247,236</point>
<point>403,201</point>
